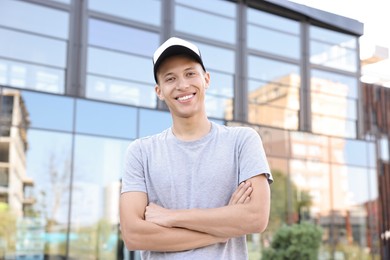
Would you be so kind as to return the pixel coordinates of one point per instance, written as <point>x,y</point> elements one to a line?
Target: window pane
<point>122,38</point>
<point>333,126</point>
<point>216,58</point>
<point>333,49</point>
<point>49,111</point>
<point>309,146</point>
<point>216,6</point>
<point>350,198</point>
<point>34,18</point>
<point>310,190</point>
<point>119,91</point>
<point>47,202</point>
<point>333,100</point>
<point>29,76</point>
<point>120,66</point>
<point>106,119</point>
<point>95,197</point>
<point>335,107</point>
<point>349,152</point>
<point>147,11</point>
<point>273,42</point>
<point>153,122</point>
<point>40,50</point>
<point>269,20</point>
<point>273,93</point>
<point>207,25</point>
<point>219,96</point>
<point>273,34</point>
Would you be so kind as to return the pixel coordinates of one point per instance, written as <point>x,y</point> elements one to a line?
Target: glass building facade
<point>76,88</point>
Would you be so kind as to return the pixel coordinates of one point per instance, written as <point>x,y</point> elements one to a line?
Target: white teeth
<point>185,97</point>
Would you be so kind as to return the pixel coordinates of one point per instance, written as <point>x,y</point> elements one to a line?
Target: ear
<point>207,79</point>
<point>157,89</point>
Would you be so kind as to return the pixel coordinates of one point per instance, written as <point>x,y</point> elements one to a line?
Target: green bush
<point>298,241</point>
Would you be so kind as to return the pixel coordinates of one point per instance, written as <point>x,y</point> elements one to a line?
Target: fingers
<point>241,194</point>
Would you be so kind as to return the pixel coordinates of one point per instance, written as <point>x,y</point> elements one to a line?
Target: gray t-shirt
<point>204,173</point>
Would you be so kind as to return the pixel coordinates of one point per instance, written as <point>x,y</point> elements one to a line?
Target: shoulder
<point>237,131</point>
<point>147,142</point>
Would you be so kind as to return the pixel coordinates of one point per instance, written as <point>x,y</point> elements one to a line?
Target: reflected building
<point>76,93</point>
<point>15,189</point>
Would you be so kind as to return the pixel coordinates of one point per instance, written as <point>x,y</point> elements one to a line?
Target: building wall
<point>83,70</point>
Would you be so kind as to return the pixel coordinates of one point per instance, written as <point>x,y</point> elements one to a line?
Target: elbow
<point>259,223</point>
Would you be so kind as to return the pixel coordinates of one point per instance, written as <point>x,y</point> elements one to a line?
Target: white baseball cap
<point>175,46</point>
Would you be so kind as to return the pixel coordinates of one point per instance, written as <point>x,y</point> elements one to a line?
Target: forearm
<point>228,221</point>
<point>145,235</point>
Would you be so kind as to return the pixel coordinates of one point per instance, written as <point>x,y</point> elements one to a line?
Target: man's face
<point>182,84</point>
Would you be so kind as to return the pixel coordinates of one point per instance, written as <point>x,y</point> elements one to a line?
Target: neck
<point>190,129</point>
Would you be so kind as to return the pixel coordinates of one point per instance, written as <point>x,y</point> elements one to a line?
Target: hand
<point>158,215</point>
<point>242,194</point>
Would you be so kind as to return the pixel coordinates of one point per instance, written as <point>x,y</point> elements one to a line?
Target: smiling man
<point>196,189</point>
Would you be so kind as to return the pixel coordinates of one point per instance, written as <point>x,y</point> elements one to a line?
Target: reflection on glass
<point>349,152</point>
<point>350,200</point>
<point>122,38</point>
<point>106,119</point>
<point>34,18</point>
<point>39,49</point>
<point>147,11</point>
<point>23,75</point>
<point>207,25</point>
<point>95,197</point>
<point>216,6</point>
<point>273,97</point>
<point>333,126</point>
<point>49,111</point>
<point>119,66</point>
<point>219,96</point>
<point>217,58</point>
<point>34,209</point>
<point>333,104</point>
<point>119,91</point>
<point>153,122</point>
<point>333,49</point>
<point>309,146</point>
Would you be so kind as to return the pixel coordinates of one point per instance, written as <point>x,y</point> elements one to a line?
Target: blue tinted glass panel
<point>29,76</point>
<point>119,91</point>
<point>350,152</point>
<point>147,11</point>
<point>118,37</point>
<point>153,122</point>
<point>217,58</point>
<point>106,119</point>
<point>219,96</point>
<point>269,70</point>
<point>333,37</point>
<point>120,66</point>
<point>333,49</point>
<point>34,18</point>
<point>38,50</point>
<point>98,167</point>
<point>215,6</point>
<point>207,25</point>
<point>48,169</point>
<point>371,153</point>
<point>268,20</point>
<point>49,111</point>
<point>275,42</point>
<point>333,84</point>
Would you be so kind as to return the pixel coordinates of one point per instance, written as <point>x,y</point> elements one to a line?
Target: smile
<point>184,98</point>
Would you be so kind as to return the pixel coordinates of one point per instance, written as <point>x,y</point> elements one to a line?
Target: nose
<point>182,84</point>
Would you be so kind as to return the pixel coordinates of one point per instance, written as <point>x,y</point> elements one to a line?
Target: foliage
<point>298,241</point>
<point>7,229</point>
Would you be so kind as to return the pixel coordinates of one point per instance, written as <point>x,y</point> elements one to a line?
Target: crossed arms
<point>151,227</point>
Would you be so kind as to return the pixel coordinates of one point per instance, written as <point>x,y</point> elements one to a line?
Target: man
<point>196,189</point>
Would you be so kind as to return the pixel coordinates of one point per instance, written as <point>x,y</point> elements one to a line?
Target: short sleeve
<point>134,175</point>
<point>252,158</point>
